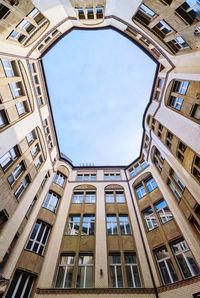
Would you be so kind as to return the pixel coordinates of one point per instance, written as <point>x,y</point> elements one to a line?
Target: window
<point>18,170</point>
<point>115,271</point>
<point>31,207</point>
<point>114,196</point>
<point>162,29</point>
<point>31,136</point>
<point>3,216</point>
<point>35,150</point>
<point>120,198</point>
<point>150,219</point>
<point>151,184</point>
<point>147,11</point>
<point>23,185</point>
<point>132,272</point>
<point>65,271</point>
<point>111,221</point>
<point>3,119</point>
<point>77,198</point>
<point>109,195</point>
<point>7,159</point>
<point>85,276</point>
<point>4,11</point>
<point>38,238</point>
<point>124,225</point>
<point>90,197</point>
<point>166,267</point>
<point>160,129</point>
<point>86,177</point>
<point>36,15</point>
<point>181,43</point>
<point>27,26</point>
<point>196,168</point>
<point>16,89</point>
<point>174,190</point>
<point>169,139</point>
<point>9,68</point>
<point>181,150</point>
<point>196,112</point>
<point>140,191</point>
<point>73,225</point>
<point>38,162</point>
<point>197,31</point>
<point>189,10</point>
<point>88,224</point>
<point>59,179</point>
<point>112,176</point>
<point>21,285</point>
<point>179,183</point>
<point>176,102</point>
<point>21,109</point>
<point>51,202</point>
<point>163,211</point>
<point>16,35</point>
<point>158,160</point>
<point>180,87</point>
<point>185,259</point>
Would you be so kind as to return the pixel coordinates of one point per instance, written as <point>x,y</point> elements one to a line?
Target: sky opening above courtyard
<point>99,84</point>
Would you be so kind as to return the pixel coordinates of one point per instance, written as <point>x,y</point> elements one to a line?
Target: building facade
<point>121,231</point>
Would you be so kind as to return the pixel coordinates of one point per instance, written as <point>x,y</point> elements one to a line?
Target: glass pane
<point>89,277</point>
<point>136,276</point>
<point>119,277</point>
<point>164,272</point>
<point>60,277</point>
<point>80,277</point>
<point>68,278</point>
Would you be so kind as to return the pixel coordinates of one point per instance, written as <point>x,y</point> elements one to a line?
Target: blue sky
<point>99,84</point>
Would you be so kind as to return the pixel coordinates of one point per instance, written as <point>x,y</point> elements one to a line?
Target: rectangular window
<point>147,11</point>
<point>23,185</point>
<point>176,102</point>
<point>77,198</point>
<point>124,224</point>
<point>165,266</point>
<point>38,238</point>
<point>163,211</point>
<point>196,112</point>
<point>85,276</point>
<point>189,11</point>
<point>38,162</point>
<point>65,271</point>
<point>196,168</point>
<point>162,29</point>
<point>132,272</point>
<point>51,202</point>
<point>180,87</point>
<point>4,11</point>
<point>9,68</point>
<point>90,197</point>
<point>59,179</point>
<point>150,219</point>
<point>21,108</point>
<point>88,224</point>
<point>17,89</point>
<point>31,207</point>
<point>178,181</point>
<point>151,184</point>
<point>35,150</point>
<point>115,271</point>
<point>174,190</point>
<point>140,191</point>
<point>3,119</point>
<point>111,221</point>
<point>31,136</point>
<point>36,15</point>
<point>73,225</point>
<point>185,259</point>
<point>21,285</point>
<point>181,150</point>
<point>18,170</point>
<point>112,176</point>
<point>169,139</point>
<point>7,159</point>
<point>110,198</point>
<point>180,42</point>
<point>86,177</point>
<point>120,198</point>
<point>27,26</point>
<point>16,35</point>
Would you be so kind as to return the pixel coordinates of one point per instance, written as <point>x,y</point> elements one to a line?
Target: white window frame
<point>176,102</point>
<point>151,184</point>
<point>115,265</point>
<point>71,224</point>
<point>87,223</point>
<point>140,192</point>
<point>39,242</point>
<point>124,223</point>
<point>21,188</point>
<point>9,158</point>
<point>59,179</point>
<point>112,224</point>
<point>91,197</point>
<point>131,266</point>
<point>51,202</point>
<point>85,266</point>
<point>77,198</point>
<point>67,266</point>
<point>150,220</point>
<point>20,108</point>
<point>162,213</point>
